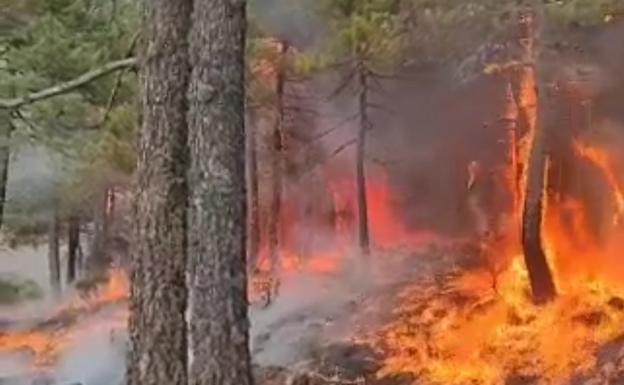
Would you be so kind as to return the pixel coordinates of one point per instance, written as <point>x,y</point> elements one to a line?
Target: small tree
<point>367,37</point>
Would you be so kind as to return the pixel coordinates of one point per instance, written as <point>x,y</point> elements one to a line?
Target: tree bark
<point>5,156</point>
<point>277,162</point>
<point>73,244</point>
<point>542,285</point>
<point>540,276</point>
<point>253,220</point>
<point>158,353</point>
<point>99,258</point>
<point>510,125</point>
<point>54,261</point>
<point>218,279</point>
<point>360,176</point>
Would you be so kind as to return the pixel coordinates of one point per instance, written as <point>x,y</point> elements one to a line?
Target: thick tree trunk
<point>253,220</point>
<point>218,278</point>
<point>54,260</point>
<point>277,163</point>
<point>360,172</point>
<point>73,245</point>
<point>158,298</point>
<point>542,285</point>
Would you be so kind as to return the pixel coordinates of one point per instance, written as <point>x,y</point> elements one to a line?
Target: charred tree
<point>158,296</point>
<point>216,219</point>
<point>277,160</point>
<point>54,260</point>
<point>542,285</point>
<point>510,126</point>
<point>73,246</point>
<point>360,171</point>
<point>540,276</point>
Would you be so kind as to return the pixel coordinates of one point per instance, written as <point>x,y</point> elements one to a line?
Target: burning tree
<point>367,39</point>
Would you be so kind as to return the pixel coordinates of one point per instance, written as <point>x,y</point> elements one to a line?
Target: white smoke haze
<point>311,311</point>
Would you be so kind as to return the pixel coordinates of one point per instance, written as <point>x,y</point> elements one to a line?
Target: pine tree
<point>217,211</point>
<point>367,40</point>
<point>158,299</point>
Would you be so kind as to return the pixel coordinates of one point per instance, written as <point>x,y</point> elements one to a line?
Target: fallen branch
<point>68,86</point>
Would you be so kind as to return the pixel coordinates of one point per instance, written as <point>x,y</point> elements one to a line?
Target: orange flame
<point>602,160</point>
<point>59,331</point>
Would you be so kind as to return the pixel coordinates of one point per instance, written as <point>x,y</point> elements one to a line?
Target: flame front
<point>46,342</point>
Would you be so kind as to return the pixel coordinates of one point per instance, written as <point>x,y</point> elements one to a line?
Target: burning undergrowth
<point>436,316</point>
<point>421,309</point>
<point>42,343</point>
<point>461,330</point>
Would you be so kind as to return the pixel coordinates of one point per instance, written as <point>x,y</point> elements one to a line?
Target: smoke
<point>312,311</point>
<point>317,310</point>
<point>98,361</point>
<point>292,20</point>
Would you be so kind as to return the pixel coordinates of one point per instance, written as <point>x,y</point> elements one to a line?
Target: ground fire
<point>468,322</point>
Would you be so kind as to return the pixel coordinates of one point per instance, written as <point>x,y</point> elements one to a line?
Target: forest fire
<point>601,159</point>
<point>473,325</point>
<point>480,326</point>
<point>388,231</point>
<point>46,340</point>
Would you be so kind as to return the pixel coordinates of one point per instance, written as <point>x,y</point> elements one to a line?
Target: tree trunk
<point>99,258</point>
<point>111,199</point>
<point>218,279</point>
<point>360,176</point>
<point>277,163</point>
<point>5,155</point>
<point>542,285</point>
<point>253,229</point>
<point>54,261</point>
<point>158,297</point>
<point>540,277</point>
<point>510,126</point>
<point>73,244</point>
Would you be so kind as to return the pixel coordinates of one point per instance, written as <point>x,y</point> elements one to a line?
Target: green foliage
<point>367,29</point>
<point>286,19</point>
<point>14,289</point>
<point>88,134</point>
<point>469,34</point>
<point>582,13</point>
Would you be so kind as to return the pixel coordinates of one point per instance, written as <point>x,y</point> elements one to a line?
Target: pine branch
<point>68,86</point>
<point>335,152</point>
<point>118,81</point>
<point>342,86</point>
<point>331,129</point>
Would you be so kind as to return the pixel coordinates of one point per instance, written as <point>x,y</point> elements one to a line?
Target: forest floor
<point>313,333</point>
